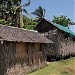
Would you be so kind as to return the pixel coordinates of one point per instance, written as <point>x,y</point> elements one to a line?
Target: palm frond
<point>27,4</point>
<point>39,12</point>
<point>24,10</point>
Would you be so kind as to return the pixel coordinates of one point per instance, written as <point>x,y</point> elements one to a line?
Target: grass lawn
<point>62,67</point>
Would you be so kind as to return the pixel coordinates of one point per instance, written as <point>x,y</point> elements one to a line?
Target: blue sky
<point>54,7</point>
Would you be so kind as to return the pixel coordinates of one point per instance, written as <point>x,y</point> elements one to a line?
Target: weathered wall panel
<point>7,56</point>
<point>63,45</point>
<point>20,58</point>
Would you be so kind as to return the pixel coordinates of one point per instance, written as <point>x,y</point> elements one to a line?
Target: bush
<point>2,21</point>
<point>31,23</point>
<point>29,27</point>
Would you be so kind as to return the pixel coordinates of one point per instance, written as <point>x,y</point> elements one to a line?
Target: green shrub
<point>31,23</point>
<point>29,27</point>
<point>2,21</point>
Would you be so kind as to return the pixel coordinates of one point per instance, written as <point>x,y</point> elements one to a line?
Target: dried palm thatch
<point>9,33</point>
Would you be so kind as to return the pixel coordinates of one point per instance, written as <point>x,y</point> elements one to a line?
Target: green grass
<point>62,67</point>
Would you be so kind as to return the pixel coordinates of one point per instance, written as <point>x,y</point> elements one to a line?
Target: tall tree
<point>12,10</point>
<point>19,10</point>
<point>39,12</point>
<point>63,20</point>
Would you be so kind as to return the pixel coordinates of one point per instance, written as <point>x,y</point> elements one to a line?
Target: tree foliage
<point>29,24</point>
<point>39,12</point>
<point>2,21</point>
<point>62,20</point>
<point>10,10</point>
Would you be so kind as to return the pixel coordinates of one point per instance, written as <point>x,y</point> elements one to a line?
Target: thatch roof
<point>60,27</point>
<point>9,33</point>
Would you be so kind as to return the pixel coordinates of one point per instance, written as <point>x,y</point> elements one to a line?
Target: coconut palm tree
<point>39,12</point>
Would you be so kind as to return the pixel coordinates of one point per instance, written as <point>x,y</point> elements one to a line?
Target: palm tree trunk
<point>21,20</point>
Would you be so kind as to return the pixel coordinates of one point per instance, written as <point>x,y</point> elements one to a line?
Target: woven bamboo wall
<point>20,58</point>
<point>21,51</point>
<point>7,56</point>
<point>63,45</point>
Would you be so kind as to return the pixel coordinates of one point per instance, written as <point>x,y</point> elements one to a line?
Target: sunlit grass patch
<point>62,67</point>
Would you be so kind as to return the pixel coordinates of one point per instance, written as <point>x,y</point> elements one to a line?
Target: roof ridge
<point>9,33</point>
<point>18,28</point>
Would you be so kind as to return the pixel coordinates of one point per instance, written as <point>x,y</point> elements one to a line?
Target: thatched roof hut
<point>21,50</point>
<point>46,25</point>
<point>9,33</point>
<point>63,38</point>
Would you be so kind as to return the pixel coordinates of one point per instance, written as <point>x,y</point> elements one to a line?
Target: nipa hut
<point>21,51</point>
<point>63,38</point>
